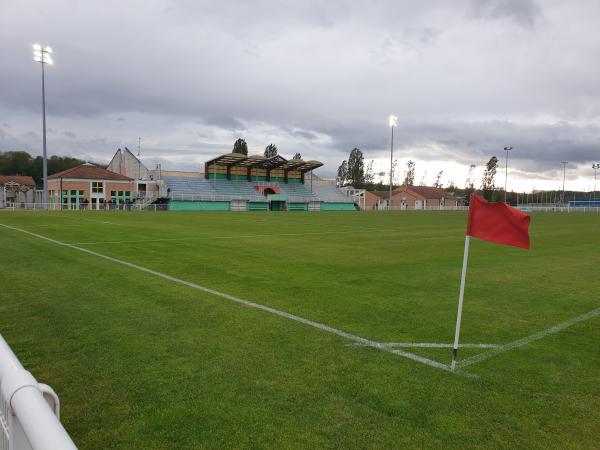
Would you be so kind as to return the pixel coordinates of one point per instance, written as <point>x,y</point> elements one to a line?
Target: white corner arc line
<point>528,339</point>
<point>434,345</point>
<point>320,326</point>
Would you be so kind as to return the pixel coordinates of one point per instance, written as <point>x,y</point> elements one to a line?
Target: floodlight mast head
<point>508,148</point>
<point>42,55</point>
<point>393,121</point>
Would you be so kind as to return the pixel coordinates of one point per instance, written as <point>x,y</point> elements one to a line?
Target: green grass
<point>142,362</point>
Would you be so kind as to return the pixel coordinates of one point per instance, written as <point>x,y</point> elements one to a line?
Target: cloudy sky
<point>465,78</point>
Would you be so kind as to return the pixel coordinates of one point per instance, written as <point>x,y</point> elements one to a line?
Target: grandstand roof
<point>277,161</point>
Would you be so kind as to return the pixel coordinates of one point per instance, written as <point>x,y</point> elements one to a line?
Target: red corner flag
<point>498,222</point>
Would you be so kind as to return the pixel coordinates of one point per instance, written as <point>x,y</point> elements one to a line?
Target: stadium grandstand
<point>237,182</point>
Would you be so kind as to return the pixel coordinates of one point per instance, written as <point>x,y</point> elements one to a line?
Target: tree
<point>342,173</point>
<point>21,163</point>
<point>15,163</point>
<point>487,183</point>
<point>369,174</point>
<point>409,174</point>
<point>270,151</point>
<point>297,156</point>
<point>240,146</point>
<point>438,183</point>
<point>396,178</point>
<point>356,168</point>
<point>470,183</point>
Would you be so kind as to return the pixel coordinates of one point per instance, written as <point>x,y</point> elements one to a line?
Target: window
<point>73,193</point>
<point>97,187</point>
<point>81,193</point>
<point>120,193</point>
<point>113,193</point>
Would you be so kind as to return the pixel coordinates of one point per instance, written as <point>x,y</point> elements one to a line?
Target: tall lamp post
<point>393,123</point>
<point>595,166</point>
<point>564,163</point>
<point>506,149</point>
<point>43,55</point>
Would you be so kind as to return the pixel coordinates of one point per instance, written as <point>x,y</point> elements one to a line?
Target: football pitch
<point>305,330</point>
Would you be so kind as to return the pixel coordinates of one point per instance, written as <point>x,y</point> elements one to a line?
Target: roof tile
<point>89,172</point>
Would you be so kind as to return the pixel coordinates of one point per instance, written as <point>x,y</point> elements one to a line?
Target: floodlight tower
<point>564,163</point>
<point>393,123</point>
<point>595,166</point>
<point>506,149</point>
<point>43,55</point>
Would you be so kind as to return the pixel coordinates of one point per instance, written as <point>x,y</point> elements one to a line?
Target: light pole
<point>393,123</point>
<point>506,149</point>
<point>595,166</point>
<point>564,163</point>
<point>43,55</point>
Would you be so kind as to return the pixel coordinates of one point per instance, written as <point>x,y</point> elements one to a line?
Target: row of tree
<point>22,163</point>
<point>240,146</point>
<point>353,172</point>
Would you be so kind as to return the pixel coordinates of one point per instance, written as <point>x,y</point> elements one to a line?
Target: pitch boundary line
<point>434,345</point>
<point>528,339</point>
<point>277,312</point>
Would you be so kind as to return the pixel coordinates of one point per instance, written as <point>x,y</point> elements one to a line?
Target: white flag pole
<point>460,300</point>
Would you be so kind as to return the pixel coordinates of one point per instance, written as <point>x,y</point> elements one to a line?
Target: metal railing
<point>29,411</point>
<point>89,207</point>
<point>412,208</point>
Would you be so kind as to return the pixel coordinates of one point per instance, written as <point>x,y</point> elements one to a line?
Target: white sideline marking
<point>434,345</point>
<point>320,326</point>
<point>528,339</point>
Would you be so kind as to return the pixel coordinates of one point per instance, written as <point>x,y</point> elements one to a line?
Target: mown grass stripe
<point>320,326</point>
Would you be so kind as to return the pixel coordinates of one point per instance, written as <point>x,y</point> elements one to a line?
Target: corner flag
<point>493,222</point>
<point>498,222</point>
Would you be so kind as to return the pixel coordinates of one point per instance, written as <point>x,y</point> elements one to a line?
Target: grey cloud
<point>523,12</point>
<point>224,121</point>
<point>319,77</point>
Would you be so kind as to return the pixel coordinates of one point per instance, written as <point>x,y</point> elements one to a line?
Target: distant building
<point>146,181</point>
<point>411,197</point>
<point>16,190</point>
<point>89,187</point>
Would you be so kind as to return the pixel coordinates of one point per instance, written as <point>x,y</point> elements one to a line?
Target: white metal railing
<point>29,411</point>
<point>89,207</point>
<point>292,199</point>
<point>384,207</point>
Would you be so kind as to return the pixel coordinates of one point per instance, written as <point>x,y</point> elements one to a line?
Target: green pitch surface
<point>140,359</point>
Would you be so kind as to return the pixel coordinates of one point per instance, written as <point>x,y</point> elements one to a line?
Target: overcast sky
<point>465,78</point>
